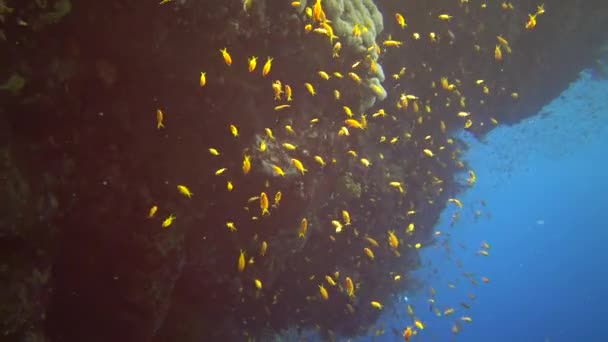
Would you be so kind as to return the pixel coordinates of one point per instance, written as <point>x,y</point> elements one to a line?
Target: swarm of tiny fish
<point>322,207</point>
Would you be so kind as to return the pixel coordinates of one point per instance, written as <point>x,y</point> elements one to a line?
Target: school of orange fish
<point>415,123</point>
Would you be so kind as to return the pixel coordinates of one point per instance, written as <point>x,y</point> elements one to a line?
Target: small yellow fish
<point>278,170</point>
<point>419,324</point>
<point>330,280</point>
<point>365,162</point>
<point>253,63</point>
<point>397,185</point>
<point>346,217</point>
<point>280,107</point>
<point>247,5</point>
<point>220,171</point>
<point>323,292</point>
<point>214,151</point>
<point>392,43</point>
<point>343,131</point>
<point>504,43</point>
<point>277,87</point>
<point>379,113</point>
<point>159,119</point>
<point>289,147</point>
<point>455,201</point>
<point>234,130</point>
<point>320,160</point>
<point>310,88</point>
<point>226,56</point>
<point>303,228</point>
<point>263,248</point>
<point>446,17</point>
<point>323,75</point>
<point>258,284</point>
<point>231,226</point>
<point>410,228</point>
<point>372,241</point>
<point>336,94</point>
<point>369,253</point>
<point>377,305</point>
<point>355,77</point>
<point>277,199</point>
<point>392,239</point>
<point>428,152</point>
<point>152,211</point>
<point>184,191</point>
<point>410,310</point>
<point>203,79</point>
<point>353,123</point>
<point>337,225</point>
<point>298,164</point>
<point>498,53</point>
<point>531,23</point>
<point>400,20</point>
<point>267,67</point>
<point>229,186</point>
<point>168,221</point>
<point>241,262</point>
<point>336,50</point>
<point>357,30</point>
<point>540,9</point>
<point>288,94</point>
<point>348,111</point>
<point>269,133</point>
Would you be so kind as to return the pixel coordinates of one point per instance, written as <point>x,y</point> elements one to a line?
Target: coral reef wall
<point>82,160</point>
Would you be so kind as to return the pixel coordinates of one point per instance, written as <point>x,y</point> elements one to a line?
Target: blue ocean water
<point>544,184</point>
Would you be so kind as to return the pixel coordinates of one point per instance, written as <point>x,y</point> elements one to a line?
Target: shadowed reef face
<point>82,160</point>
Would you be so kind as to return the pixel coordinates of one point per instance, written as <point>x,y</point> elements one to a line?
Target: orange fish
<point>264,204</point>
<point>350,287</point>
<point>246,164</point>
<point>407,333</point>
<point>226,56</point>
<point>267,67</point>
<point>318,13</point>
<point>531,23</point>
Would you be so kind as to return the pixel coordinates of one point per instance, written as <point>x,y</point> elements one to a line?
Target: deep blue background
<point>544,182</point>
